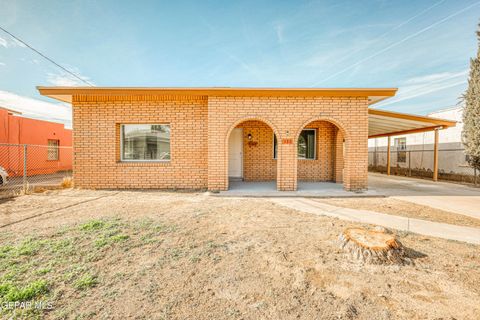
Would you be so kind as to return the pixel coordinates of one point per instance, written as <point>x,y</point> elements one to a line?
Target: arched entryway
<point>251,155</point>
<point>320,155</point>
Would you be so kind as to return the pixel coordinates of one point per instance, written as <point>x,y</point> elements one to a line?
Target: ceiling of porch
<point>383,123</point>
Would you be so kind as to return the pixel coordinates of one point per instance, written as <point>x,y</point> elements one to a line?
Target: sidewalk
<point>428,228</point>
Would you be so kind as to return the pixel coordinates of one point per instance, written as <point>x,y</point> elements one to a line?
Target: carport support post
<point>388,156</point>
<point>435,156</point>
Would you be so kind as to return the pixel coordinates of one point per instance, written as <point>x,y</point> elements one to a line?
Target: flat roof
<point>10,110</point>
<point>65,93</point>
<point>381,123</point>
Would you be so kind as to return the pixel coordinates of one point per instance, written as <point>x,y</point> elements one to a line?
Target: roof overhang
<point>383,123</point>
<point>374,95</point>
<point>380,123</point>
<point>10,111</point>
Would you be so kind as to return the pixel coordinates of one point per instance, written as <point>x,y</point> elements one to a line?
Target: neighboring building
<point>198,138</point>
<point>415,151</point>
<point>46,142</point>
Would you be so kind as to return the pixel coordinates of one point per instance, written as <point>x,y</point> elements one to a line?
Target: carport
<point>383,123</point>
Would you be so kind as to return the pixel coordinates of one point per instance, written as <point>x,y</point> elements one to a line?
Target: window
<point>401,146</point>
<point>52,152</point>
<point>145,142</point>
<point>306,144</point>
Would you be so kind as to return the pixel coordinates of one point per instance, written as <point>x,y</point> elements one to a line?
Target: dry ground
<point>405,209</point>
<point>153,255</point>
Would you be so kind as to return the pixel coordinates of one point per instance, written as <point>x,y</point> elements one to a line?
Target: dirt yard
<point>153,255</point>
<point>405,209</point>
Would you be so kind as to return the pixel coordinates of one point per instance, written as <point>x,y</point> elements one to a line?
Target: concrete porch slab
<point>305,190</point>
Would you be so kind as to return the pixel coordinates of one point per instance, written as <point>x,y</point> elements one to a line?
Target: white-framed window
<point>307,144</point>
<point>145,142</point>
<point>52,152</point>
<point>401,147</point>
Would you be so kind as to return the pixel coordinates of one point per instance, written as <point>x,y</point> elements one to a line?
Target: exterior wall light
<point>249,136</point>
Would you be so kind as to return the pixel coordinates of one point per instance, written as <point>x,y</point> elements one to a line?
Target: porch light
<point>249,136</point>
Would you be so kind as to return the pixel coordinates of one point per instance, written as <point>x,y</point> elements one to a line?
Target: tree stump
<point>374,247</point>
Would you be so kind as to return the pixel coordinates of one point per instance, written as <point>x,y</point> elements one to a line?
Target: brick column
<point>287,170</point>
<point>339,162</point>
<point>217,150</point>
<point>356,154</point>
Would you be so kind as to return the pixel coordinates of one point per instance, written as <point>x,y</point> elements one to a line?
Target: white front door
<point>235,153</point>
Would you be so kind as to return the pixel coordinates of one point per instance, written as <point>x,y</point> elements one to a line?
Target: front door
<point>235,153</point>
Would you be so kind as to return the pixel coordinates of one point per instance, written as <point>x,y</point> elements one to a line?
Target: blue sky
<point>422,47</point>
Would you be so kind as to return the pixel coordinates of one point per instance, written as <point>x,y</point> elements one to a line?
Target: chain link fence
<point>452,164</point>
<point>26,168</point>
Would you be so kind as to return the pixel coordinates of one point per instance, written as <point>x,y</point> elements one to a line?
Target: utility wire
<point>47,58</point>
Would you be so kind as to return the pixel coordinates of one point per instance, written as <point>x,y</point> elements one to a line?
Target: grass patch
<point>67,182</point>
<point>85,282</point>
<point>110,239</point>
<point>12,293</point>
<point>43,271</point>
<point>93,225</point>
<point>43,268</point>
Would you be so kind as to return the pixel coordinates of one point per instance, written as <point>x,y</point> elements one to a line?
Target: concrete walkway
<point>446,196</point>
<point>305,190</point>
<point>428,228</point>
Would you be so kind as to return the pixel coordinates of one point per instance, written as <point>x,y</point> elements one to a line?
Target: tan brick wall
<point>287,116</point>
<point>258,161</point>
<point>96,138</point>
<point>339,151</point>
<point>200,127</point>
<point>321,168</point>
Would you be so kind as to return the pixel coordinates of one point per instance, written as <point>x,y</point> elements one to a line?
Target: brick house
<point>200,138</point>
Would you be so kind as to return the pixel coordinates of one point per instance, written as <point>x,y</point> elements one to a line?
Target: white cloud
<point>435,77</point>
<point>64,79</point>
<point>2,64</point>
<point>279,31</point>
<point>34,108</point>
<point>3,43</point>
<point>10,43</point>
<point>396,43</point>
<point>426,84</point>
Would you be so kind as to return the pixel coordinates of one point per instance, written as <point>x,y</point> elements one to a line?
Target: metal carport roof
<point>383,123</point>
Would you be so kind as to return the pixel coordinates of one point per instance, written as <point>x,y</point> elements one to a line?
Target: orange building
<point>48,145</point>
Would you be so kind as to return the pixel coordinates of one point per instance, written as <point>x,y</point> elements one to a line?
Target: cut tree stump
<point>374,247</point>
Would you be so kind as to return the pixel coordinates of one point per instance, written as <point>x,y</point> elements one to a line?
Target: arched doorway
<point>251,156</point>
<point>320,155</point>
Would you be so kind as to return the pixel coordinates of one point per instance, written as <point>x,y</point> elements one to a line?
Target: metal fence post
<point>409,163</point>
<point>24,167</point>
<point>475,176</point>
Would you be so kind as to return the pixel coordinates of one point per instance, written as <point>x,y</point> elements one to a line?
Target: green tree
<point>471,113</point>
